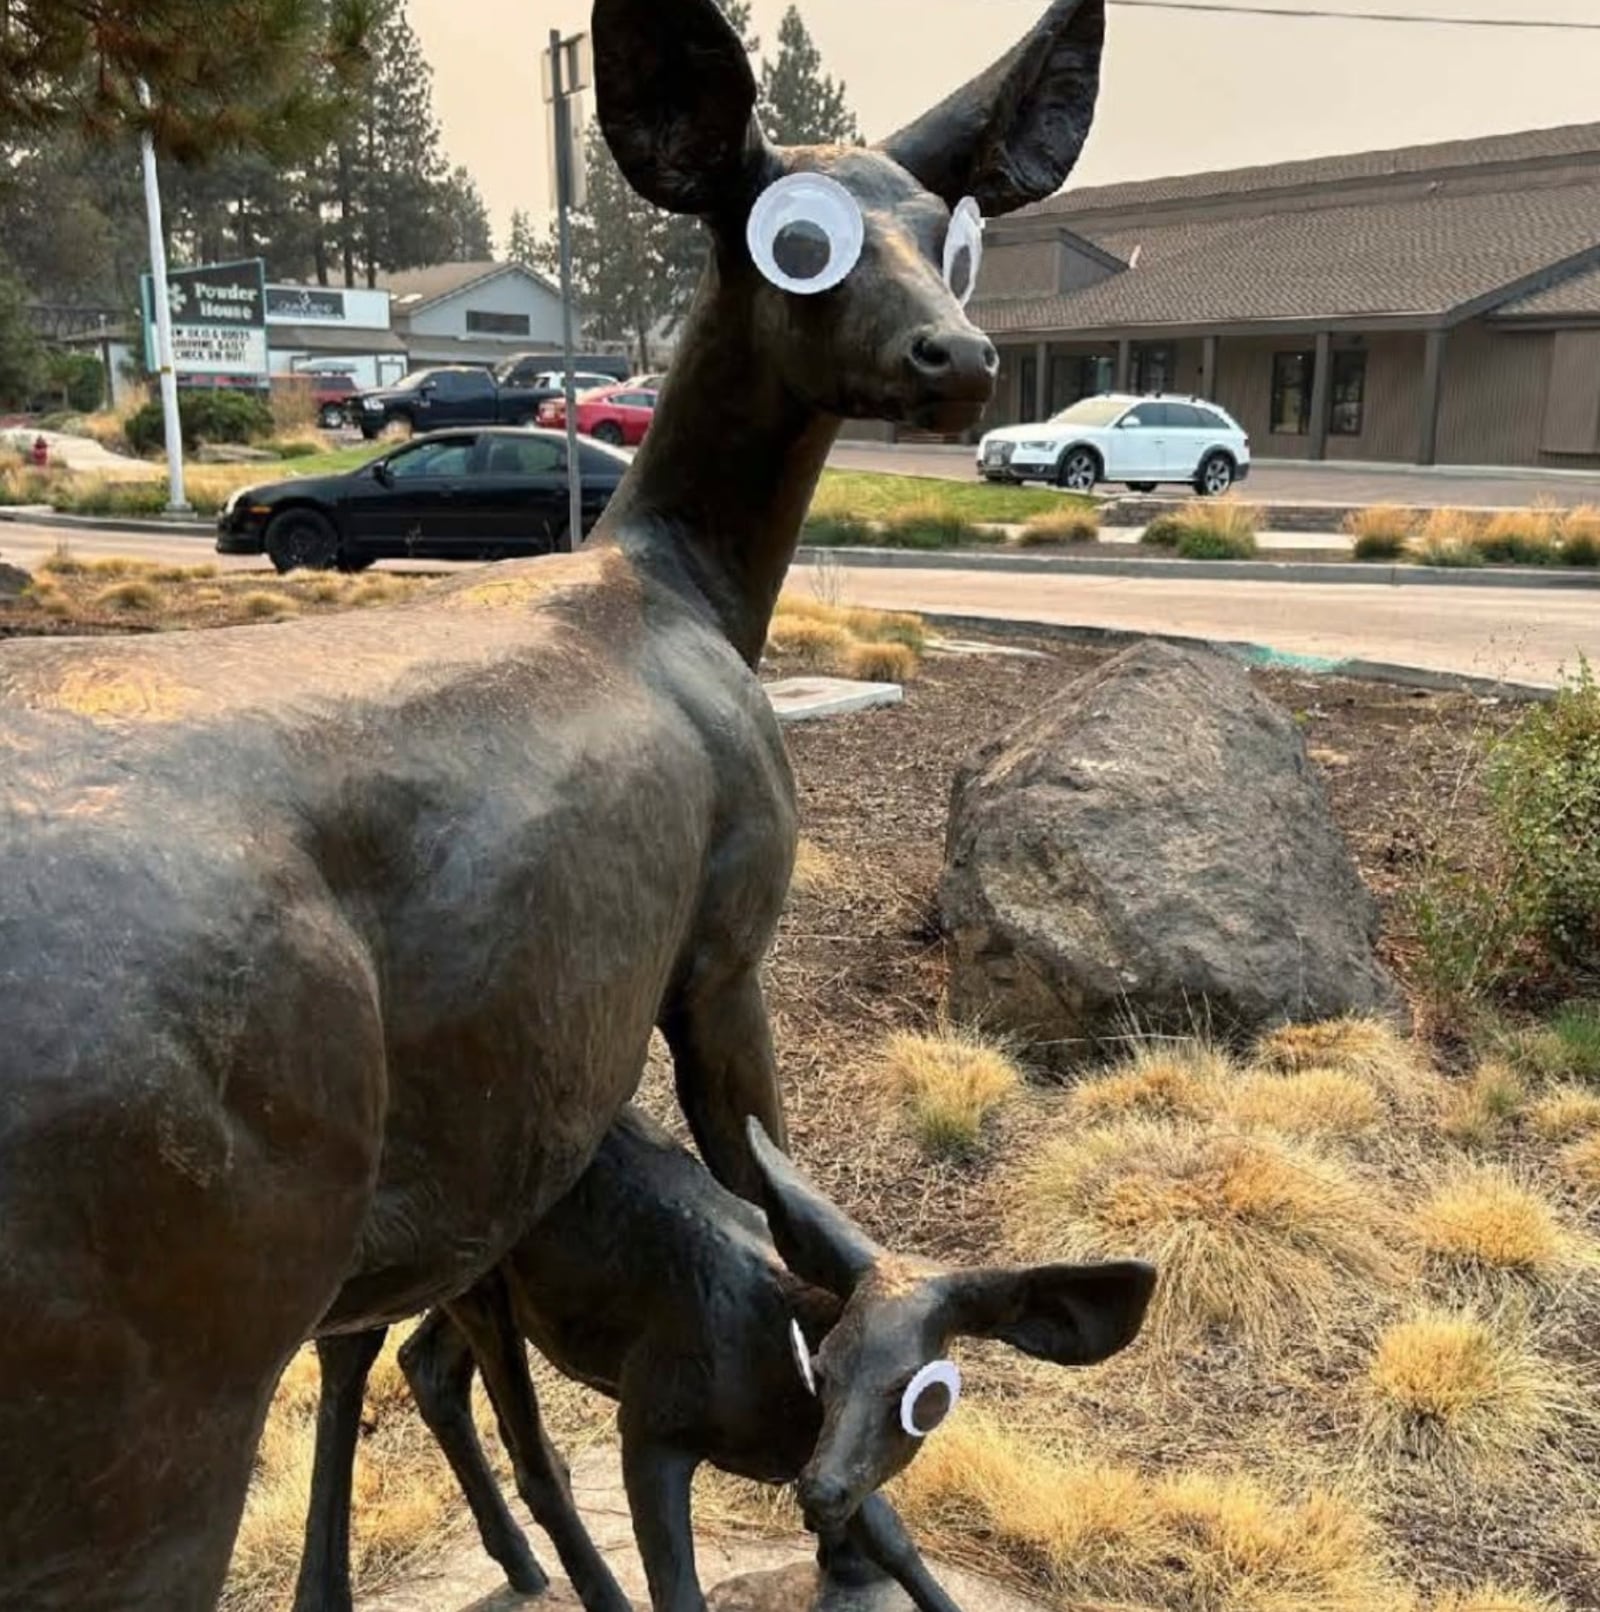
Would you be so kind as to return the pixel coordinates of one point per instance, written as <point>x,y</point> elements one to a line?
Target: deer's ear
<point>677,99</point>
<point>1073,1315</point>
<point>819,1243</point>
<point>1013,134</point>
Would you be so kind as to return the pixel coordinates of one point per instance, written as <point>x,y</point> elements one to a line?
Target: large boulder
<point>1152,851</point>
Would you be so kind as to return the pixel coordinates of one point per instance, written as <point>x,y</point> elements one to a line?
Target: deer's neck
<point>726,475</point>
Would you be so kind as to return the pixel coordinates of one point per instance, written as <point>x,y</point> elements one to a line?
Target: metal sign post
<point>566,78</point>
<point>177,502</point>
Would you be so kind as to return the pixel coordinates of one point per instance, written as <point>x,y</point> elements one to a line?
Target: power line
<point>1549,24</point>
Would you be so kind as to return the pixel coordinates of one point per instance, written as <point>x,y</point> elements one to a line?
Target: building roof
<point>1577,296</point>
<point>1577,141</point>
<point>413,289</point>
<point>1408,243</point>
<point>334,339</point>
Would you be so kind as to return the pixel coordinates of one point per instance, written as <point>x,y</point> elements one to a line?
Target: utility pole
<point>566,78</point>
<point>177,503</point>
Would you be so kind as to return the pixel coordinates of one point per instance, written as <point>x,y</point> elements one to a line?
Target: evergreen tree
<point>800,104</point>
<point>21,359</point>
<point>461,222</point>
<point>222,74</point>
<point>524,244</point>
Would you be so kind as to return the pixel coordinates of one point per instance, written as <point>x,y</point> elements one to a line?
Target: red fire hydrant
<point>40,455</point>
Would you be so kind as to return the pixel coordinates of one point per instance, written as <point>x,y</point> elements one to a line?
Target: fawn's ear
<point>819,1243</point>
<point>1014,133</point>
<point>1073,1315</point>
<point>677,100</point>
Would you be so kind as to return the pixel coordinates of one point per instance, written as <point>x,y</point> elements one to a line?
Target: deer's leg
<point>725,1071</point>
<point>484,1314</point>
<point>660,1483</point>
<point>878,1534</point>
<point>438,1363</point>
<point>324,1583</point>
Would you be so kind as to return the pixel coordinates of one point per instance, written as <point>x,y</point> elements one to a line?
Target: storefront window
<point>1292,375</point>
<point>1349,394</point>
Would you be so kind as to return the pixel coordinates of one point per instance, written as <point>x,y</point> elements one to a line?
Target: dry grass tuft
<point>1579,1163</point>
<point>1466,1395</point>
<point>264,605</point>
<point>1580,536</point>
<point>1370,1049</point>
<point>1481,1219</point>
<point>1313,1102</point>
<point>167,575</point>
<point>817,645</point>
<point>1061,526</point>
<point>1251,1233</point>
<point>1497,1598</point>
<point>118,566</point>
<point>1449,537</point>
<point>816,871</point>
<point>1477,1114</point>
<point>1566,1113</point>
<point>1178,1080</point>
<point>881,663</point>
<point>1522,537</point>
<point>1112,1536</point>
<point>950,1083</point>
<point>133,595</point>
<point>1381,532</point>
<point>886,627</point>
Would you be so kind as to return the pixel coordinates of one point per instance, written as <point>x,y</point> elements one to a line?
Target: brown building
<point>1435,304</point>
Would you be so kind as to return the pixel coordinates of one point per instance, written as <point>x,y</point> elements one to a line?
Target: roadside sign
<point>219,321</point>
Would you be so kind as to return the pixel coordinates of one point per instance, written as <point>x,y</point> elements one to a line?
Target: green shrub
<point>1068,525</point>
<point>838,531</point>
<point>1566,1047</point>
<point>1214,529</point>
<point>217,416</point>
<point>1528,910</point>
<point>1216,543</point>
<point>1381,532</point>
<point>1520,537</point>
<point>1164,532</point>
<point>1379,546</point>
<point>1580,536</point>
<point>934,528</point>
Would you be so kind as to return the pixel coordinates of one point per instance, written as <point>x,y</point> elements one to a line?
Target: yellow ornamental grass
<point>1480,1219</point>
<point>949,1083</point>
<point>1315,1102</point>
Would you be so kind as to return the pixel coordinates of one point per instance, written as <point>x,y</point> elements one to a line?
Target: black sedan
<point>455,495</point>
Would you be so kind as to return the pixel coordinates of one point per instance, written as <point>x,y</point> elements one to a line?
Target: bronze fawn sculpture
<point>661,1289</point>
<point>329,951</point>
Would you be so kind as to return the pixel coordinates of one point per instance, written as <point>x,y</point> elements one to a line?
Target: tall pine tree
<point>800,104</point>
<point>461,221</point>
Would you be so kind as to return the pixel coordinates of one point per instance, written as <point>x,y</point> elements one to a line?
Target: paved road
<point>1526,634</point>
<point>1291,484</point>
<point>1522,635</point>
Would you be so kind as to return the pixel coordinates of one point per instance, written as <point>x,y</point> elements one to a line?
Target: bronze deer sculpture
<point>659,1288</point>
<point>329,951</point>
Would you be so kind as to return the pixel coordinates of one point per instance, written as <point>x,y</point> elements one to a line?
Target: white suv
<point>1141,441</point>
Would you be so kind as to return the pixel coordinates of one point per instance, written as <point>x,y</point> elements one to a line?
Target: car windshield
<point>1090,411</point>
<point>413,380</point>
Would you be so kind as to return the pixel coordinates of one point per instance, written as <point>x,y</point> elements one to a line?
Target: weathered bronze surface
<point>654,1285</point>
<point>330,951</point>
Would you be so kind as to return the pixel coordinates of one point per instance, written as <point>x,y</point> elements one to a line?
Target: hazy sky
<point>1181,93</point>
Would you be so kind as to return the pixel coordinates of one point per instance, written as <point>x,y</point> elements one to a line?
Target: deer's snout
<point>954,363</point>
<point>825,1501</point>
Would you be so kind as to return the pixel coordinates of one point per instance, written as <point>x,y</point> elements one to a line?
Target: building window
<point>1349,394</point>
<point>1292,377</point>
<point>1152,369</point>
<point>498,324</point>
<point>1028,388</point>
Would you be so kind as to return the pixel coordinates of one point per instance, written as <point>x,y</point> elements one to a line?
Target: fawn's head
<point>882,1374</point>
<point>850,267</point>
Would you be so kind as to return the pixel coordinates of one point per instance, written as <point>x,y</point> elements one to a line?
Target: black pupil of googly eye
<point>961,271</point>
<point>802,250</point>
<point>931,1407</point>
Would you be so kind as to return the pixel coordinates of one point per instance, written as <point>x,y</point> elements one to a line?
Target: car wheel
<point>354,563</point>
<point>609,433</point>
<point>1079,471</point>
<point>302,540</point>
<point>332,420</point>
<point>1216,476</point>
<point>1141,486</point>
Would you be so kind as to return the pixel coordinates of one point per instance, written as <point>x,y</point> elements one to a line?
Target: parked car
<point>1140,441</point>
<point>333,394</point>
<point>452,495</point>
<point>554,381</point>
<point>647,383</point>
<point>619,415</point>
<point>533,369</point>
<point>433,399</point>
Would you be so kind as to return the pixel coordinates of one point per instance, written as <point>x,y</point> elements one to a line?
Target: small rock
<point>12,581</point>
<point>1153,851</point>
<point>808,699</point>
<point>233,453</point>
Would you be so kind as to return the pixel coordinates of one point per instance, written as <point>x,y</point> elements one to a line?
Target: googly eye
<point>806,233</point>
<point>963,250</point>
<point>930,1396</point>
<point>802,1358</point>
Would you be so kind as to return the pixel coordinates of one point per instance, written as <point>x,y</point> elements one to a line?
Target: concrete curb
<point>1421,678</point>
<point>128,525</point>
<point>1346,573</point>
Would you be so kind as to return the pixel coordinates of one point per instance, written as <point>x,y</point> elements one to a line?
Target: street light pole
<point>177,503</point>
<point>565,156</point>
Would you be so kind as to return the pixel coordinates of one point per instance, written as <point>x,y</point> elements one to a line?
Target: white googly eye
<point>963,250</point>
<point>930,1396</point>
<point>802,1358</point>
<point>806,233</point>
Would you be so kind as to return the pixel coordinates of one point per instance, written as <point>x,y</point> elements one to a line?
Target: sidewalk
<point>84,456</point>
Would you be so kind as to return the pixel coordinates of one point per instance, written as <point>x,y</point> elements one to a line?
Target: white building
<point>474,313</point>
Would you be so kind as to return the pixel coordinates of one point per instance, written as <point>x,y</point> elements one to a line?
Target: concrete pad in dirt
<point>466,1580</point>
<point>809,699</point>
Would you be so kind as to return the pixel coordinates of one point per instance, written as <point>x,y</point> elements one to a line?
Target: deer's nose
<point>954,361</point>
<point>824,1500</point>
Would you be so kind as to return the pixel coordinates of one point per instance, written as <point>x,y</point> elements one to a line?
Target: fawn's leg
<point>438,1363</point>
<point>877,1532</point>
<point>484,1314</point>
<point>324,1583</point>
<point>660,1483</point>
